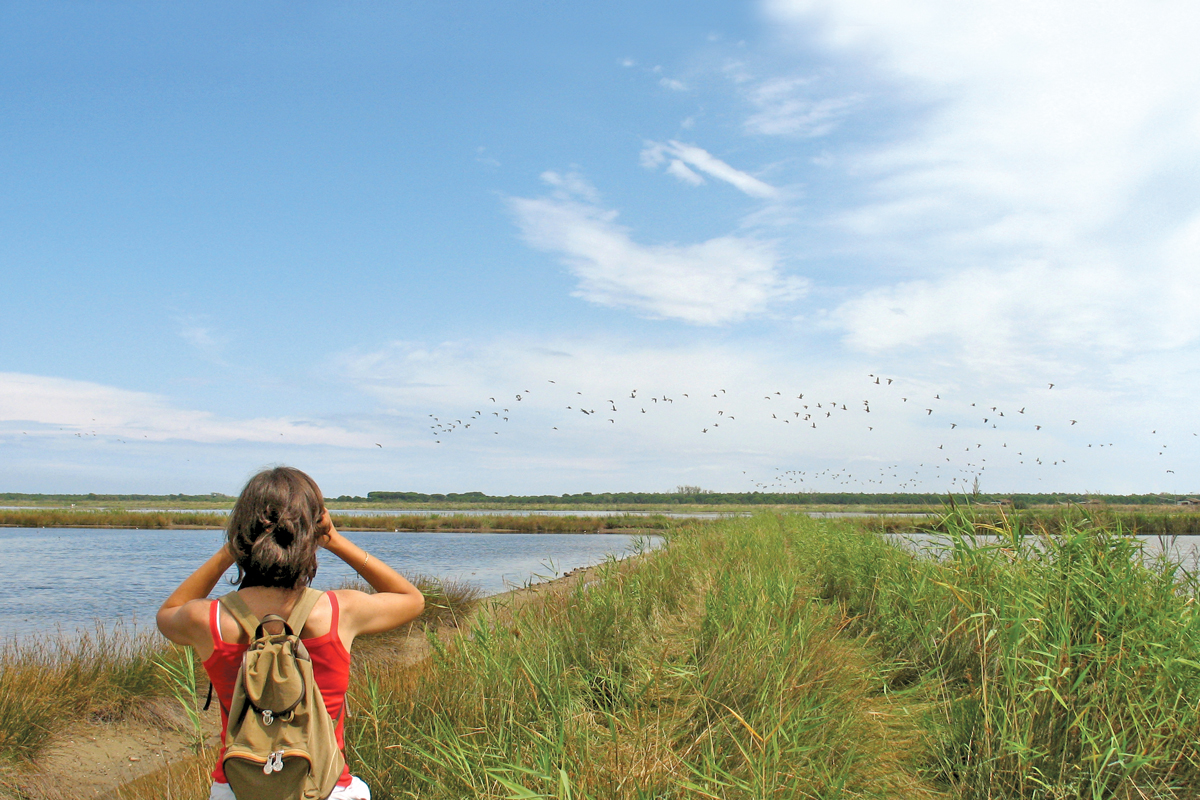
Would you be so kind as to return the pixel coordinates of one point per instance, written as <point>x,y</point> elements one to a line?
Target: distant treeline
<point>703,498</point>
<point>756,498</point>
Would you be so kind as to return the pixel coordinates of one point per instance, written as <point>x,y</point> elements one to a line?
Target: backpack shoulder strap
<point>302,609</point>
<point>241,612</point>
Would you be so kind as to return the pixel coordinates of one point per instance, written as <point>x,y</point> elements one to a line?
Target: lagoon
<point>60,580</point>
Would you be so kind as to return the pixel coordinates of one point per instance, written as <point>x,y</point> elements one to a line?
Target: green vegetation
<point>84,518</point>
<point>1022,656</point>
<point>786,657</point>
<point>163,520</point>
<point>695,496</point>
<point>49,683</point>
<point>683,497</point>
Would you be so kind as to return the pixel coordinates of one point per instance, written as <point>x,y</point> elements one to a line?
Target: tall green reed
<point>1065,658</point>
<point>702,670</point>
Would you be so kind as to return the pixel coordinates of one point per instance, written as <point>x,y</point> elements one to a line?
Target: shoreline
<point>96,757</point>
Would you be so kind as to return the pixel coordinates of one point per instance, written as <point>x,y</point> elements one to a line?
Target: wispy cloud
<point>45,405</point>
<point>786,108</point>
<point>672,84</point>
<point>679,157</point>
<point>1016,206</point>
<point>721,280</point>
<point>197,331</point>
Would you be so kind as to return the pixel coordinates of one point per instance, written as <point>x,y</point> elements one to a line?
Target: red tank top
<point>331,669</point>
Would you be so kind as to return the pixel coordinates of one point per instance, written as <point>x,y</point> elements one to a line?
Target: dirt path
<point>93,759</point>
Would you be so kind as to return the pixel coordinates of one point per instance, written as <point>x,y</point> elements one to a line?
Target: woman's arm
<point>396,600</point>
<point>180,619</point>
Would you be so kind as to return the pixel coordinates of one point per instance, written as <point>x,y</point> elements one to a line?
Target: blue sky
<point>328,234</point>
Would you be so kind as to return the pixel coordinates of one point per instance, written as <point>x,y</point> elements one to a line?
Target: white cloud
<point>672,84</point>
<point>784,109</point>
<point>571,184</point>
<point>680,170</point>
<point>721,280</point>
<point>199,334</point>
<point>689,155</point>
<point>1042,199</point>
<point>45,405</point>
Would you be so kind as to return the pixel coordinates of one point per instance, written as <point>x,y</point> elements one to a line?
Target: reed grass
<point>780,656</point>
<point>509,523</point>
<point>162,520</point>
<point>83,518</point>
<point>47,683</point>
<point>51,682</point>
<point>705,670</point>
<point>1065,660</point>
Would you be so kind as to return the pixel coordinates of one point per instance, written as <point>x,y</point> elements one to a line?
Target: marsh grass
<point>781,657</point>
<point>188,778</point>
<point>49,682</point>
<point>177,666</point>
<point>509,523</point>
<point>163,520</point>
<point>705,670</point>
<point>83,518</point>
<point>1065,660</point>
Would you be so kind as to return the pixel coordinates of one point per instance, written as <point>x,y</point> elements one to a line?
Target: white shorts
<point>357,790</point>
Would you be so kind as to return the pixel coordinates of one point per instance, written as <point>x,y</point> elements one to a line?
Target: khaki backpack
<point>280,743</point>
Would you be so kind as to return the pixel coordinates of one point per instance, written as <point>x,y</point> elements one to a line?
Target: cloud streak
<point>44,405</point>
<point>721,280</point>
<point>679,157</point>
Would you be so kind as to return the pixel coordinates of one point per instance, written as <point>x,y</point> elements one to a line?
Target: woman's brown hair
<point>274,529</point>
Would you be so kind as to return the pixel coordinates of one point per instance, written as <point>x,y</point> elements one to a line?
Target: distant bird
<point>1051,386</point>
<point>377,444</point>
<point>1074,421</point>
<point>928,411</point>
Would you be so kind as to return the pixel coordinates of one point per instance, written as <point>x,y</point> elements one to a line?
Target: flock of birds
<point>966,436</point>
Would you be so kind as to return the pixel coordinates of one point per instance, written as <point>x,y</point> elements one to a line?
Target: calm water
<point>66,578</point>
<point>1184,549</point>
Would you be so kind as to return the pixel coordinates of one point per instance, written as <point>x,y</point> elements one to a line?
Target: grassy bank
<point>164,520</point>
<point>783,657</point>
<point>780,656</point>
<point>48,684</point>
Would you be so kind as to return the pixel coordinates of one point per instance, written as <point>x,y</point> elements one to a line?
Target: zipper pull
<point>274,762</point>
<point>268,716</point>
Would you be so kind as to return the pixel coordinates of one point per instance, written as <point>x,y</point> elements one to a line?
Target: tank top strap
<point>335,634</point>
<point>214,626</point>
<point>333,606</point>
